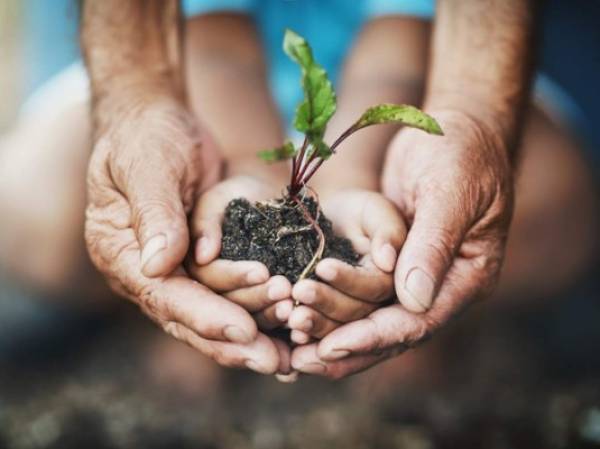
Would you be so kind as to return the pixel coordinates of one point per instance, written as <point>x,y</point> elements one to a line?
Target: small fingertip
<point>200,250</point>
<point>288,378</point>
<point>385,257</point>
<point>283,310</point>
<point>279,288</point>
<point>301,319</point>
<point>207,249</point>
<point>326,270</point>
<point>299,337</point>
<point>257,275</point>
<point>305,291</point>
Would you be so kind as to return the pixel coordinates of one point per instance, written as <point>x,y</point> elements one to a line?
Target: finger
<point>260,296</point>
<point>330,302</point>
<point>208,214</point>
<point>260,355</point>
<point>428,253</point>
<point>180,300</point>
<point>299,337</point>
<point>288,378</point>
<point>366,282</point>
<point>275,315</point>
<point>305,359</point>
<point>208,243</point>
<point>157,217</point>
<point>173,299</point>
<point>311,322</point>
<point>391,327</point>
<point>285,357</point>
<point>384,226</point>
<point>223,275</point>
<point>395,328</point>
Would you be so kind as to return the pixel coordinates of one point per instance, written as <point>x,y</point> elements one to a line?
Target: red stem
<point>296,164</point>
<point>303,177</point>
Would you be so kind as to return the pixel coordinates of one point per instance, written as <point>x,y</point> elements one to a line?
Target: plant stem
<point>304,174</point>
<point>344,135</point>
<point>313,170</point>
<point>298,159</point>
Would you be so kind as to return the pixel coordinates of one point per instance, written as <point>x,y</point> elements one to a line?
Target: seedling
<point>311,118</point>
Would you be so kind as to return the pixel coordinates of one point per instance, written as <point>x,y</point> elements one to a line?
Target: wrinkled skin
<point>456,192</point>
<point>139,195</point>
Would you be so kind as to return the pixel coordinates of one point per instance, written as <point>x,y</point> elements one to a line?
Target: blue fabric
<point>329,25</point>
<point>570,34</point>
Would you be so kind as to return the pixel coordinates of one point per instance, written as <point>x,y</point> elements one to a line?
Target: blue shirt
<point>329,25</point>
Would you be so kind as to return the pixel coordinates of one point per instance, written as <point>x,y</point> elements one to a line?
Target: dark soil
<point>277,234</point>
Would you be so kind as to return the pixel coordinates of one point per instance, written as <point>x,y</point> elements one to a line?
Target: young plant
<point>311,118</point>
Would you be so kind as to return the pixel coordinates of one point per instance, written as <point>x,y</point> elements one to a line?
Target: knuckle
<point>443,247</point>
<point>175,330</point>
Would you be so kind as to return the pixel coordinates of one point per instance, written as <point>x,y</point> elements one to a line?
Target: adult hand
<point>247,283</point>
<point>457,193</point>
<point>148,164</point>
<point>346,293</point>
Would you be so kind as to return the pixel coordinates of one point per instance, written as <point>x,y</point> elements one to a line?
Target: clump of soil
<point>277,234</point>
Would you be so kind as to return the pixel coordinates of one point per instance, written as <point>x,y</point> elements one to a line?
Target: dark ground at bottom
<point>501,380</point>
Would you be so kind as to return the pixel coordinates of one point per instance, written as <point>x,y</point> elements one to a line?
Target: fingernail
<point>388,255</point>
<point>201,248</point>
<point>336,354</point>
<point>256,276</point>
<point>282,312</point>
<point>155,245</point>
<point>287,378</point>
<point>254,366</point>
<point>313,368</point>
<point>420,287</point>
<point>277,291</point>
<point>327,272</point>
<point>236,335</point>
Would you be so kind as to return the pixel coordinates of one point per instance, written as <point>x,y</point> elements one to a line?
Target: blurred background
<point>523,372</point>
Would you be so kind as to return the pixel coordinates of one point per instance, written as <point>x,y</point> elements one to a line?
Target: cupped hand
<point>343,292</point>
<point>457,193</point>
<point>246,283</point>
<point>147,166</point>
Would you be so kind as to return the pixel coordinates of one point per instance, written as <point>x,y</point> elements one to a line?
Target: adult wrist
<point>499,120</point>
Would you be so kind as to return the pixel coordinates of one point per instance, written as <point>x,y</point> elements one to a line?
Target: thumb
<point>158,220</point>
<point>434,237</point>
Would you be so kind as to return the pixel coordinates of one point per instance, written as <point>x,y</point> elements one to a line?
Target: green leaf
<point>319,102</point>
<point>402,114</point>
<point>322,149</point>
<point>286,151</point>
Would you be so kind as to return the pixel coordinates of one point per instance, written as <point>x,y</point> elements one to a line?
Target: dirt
<point>277,234</point>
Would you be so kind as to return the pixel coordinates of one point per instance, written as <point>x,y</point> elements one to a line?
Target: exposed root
<point>284,231</point>
<point>274,204</point>
<point>319,252</point>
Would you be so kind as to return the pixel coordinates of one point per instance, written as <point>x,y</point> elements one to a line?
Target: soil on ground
<point>277,234</point>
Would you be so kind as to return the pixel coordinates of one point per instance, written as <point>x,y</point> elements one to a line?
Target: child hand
<point>246,283</point>
<point>346,293</point>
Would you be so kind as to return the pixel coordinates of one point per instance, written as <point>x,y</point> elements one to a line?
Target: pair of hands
<point>148,169</point>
